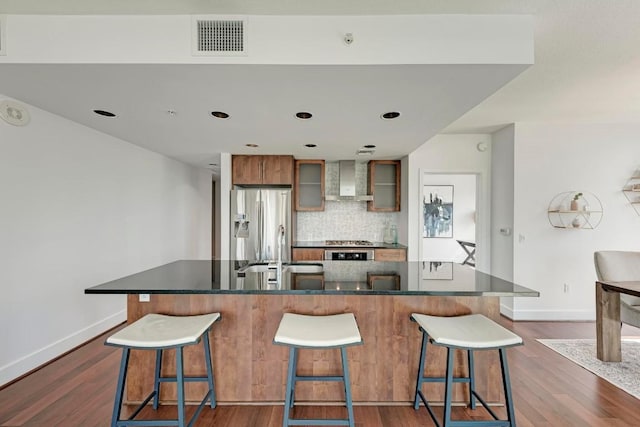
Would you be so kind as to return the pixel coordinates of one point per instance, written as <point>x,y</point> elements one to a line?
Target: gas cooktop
<point>348,243</point>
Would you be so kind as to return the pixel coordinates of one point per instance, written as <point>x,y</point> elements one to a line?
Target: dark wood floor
<point>549,390</point>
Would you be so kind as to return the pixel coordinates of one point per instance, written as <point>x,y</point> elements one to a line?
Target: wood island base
<point>250,369</point>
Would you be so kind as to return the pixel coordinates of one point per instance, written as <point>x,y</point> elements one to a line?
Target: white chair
<point>472,333</point>
<point>621,266</point>
<point>161,332</point>
<point>299,331</point>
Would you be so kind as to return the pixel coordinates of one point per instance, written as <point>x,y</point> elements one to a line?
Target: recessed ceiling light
<point>172,113</point>
<point>310,145</point>
<point>390,115</point>
<point>104,113</point>
<point>252,145</point>
<point>304,115</point>
<point>220,114</point>
<point>369,146</point>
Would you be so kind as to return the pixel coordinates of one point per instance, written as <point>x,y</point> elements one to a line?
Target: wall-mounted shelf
<point>631,191</point>
<point>567,211</point>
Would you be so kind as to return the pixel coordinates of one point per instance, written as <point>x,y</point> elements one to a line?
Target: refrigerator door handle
<point>260,248</point>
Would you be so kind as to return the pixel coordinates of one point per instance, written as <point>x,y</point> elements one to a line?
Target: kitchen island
<point>249,368</point>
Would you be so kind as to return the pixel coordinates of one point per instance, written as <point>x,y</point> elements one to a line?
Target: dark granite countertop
<point>321,244</point>
<point>326,277</point>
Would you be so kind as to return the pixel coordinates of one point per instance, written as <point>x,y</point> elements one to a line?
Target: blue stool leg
<point>180,386</point>
<point>209,364</point>
<point>117,405</point>
<point>506,381</point>
<point>156,381</point>
<point>347,385</point>
<point>472,380</point>
<point>420,378</point>
<point>448,388</point>
<point>295,369</point>
<point>290,386</point>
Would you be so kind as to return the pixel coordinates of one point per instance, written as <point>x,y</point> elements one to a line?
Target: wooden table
<point>608,317</point>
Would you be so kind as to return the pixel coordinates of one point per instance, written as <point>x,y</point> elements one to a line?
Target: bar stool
<point>160,332</point>
<point>317,332</point>
<point>471,332</point>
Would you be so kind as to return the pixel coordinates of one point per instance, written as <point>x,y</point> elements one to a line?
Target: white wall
<point>550,159</point>
<point>448,154</point>
<point>502,152</point>
<point>393,39</point>
<point>80,208</point>
<point>464,224</point>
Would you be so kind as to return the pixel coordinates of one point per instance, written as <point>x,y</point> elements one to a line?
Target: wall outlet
<point>565,289</point>
<point>144,298</point>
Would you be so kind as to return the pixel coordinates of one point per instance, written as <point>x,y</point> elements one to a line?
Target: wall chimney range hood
<point>347,184</point>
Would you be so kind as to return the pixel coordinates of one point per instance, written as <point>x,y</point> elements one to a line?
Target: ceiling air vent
<point>3,35</point>
<point>219,37</point>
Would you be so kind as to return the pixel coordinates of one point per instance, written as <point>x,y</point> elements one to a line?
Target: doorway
<point>449,217</point>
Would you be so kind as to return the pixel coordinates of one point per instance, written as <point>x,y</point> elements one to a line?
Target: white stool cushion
<point>159,330</point>
<point>318,331</point>
<point>473,331</point>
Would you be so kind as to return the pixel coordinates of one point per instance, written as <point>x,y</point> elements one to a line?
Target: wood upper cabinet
<point>262,170</point>
<point>383,181</point>
<point>309,185</point>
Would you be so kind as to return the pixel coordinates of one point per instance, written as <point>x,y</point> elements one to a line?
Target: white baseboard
<point>548,315</point>
<point>31,361</point>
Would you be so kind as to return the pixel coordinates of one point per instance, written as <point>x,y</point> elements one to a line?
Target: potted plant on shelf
<point>576,202</point>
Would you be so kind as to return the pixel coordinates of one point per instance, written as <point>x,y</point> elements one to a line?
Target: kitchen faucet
<point>278,268</point>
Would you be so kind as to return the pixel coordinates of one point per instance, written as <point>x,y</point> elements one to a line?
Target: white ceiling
<point>346,102</point>
<point>587,69</point>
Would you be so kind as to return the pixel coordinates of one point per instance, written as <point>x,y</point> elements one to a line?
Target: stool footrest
<point>186,379</point>
<point>492,423</point>
<point>159,423</point>
<point>318,422</point>
<point>443,379</point>
<point>316,378</point>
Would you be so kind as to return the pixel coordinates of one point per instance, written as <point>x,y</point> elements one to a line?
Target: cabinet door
<point>384,184</point>
<point>277,170</point>
<point>246,170</point>
<point>301,254</point>
<point>309,185</point>
<point>390,255</point>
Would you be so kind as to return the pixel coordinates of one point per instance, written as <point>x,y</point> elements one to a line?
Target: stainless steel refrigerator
<point>260,222</point>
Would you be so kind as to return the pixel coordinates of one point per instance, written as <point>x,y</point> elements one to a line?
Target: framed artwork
<point>437,209</point>
<point>437,270</point>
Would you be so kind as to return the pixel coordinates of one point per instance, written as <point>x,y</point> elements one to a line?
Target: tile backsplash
<point>344,220</point>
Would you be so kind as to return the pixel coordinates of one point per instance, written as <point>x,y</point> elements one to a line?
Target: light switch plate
<point>144,298</point>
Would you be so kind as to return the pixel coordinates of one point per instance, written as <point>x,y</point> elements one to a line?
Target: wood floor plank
<point>549,390</point>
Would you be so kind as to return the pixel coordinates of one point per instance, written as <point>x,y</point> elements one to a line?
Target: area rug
<point>624,375</point>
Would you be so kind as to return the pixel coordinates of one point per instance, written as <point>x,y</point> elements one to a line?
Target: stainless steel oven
<point>348,254</point>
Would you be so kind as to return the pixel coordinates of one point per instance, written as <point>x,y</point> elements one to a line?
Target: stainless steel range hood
<point>347,184</point>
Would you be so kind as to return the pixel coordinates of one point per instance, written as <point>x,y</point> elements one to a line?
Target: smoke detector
<point>14,113</point>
